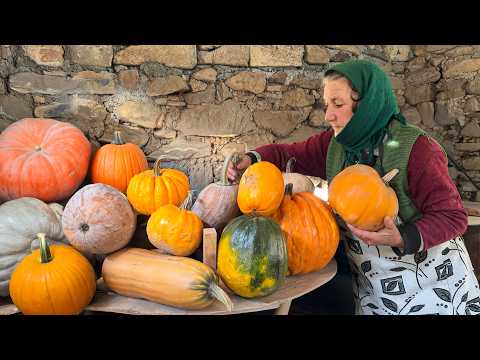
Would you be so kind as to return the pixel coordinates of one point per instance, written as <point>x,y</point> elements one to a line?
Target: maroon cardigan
<point>429,184</point>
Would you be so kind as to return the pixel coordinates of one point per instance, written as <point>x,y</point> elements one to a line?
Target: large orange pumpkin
<point>261,189</point>
<point>176,231</point>
<point>310,229</point>
<point>116,163</point>
<point>154,188</point>
<point>362,198</point>
<point>42,158</point>
<point>52,280</point>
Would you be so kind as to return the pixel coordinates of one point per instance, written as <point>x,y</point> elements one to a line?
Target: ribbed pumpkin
<point>176,231</point>
<point>310,229</point>
<point>300,182</point>
<point>261,189</point>
<point>252,256</point>
<point>116,163</point>
<point>154,188</point>
<point>362,198</point>
<point>55,280</point>
<point>216,204</point>
<point>170,280</point>
<point>20,221</point>
<point>98,219</point>
<point>42,158</point>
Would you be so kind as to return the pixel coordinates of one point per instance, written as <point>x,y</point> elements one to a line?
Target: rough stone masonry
<point>191,105</point>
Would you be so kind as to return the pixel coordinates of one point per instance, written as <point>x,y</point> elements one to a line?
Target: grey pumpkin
<point>20,222</point>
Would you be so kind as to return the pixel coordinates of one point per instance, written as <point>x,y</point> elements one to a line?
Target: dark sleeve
<point>435,195</point>
<point>310,154</point>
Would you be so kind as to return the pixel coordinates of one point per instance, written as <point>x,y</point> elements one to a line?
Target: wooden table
<point>294,287</point>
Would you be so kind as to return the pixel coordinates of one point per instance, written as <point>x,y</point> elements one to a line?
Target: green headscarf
<point>377,107</point>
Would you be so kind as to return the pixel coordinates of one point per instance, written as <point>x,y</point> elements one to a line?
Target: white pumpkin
<point>20,222</point>
<point>301,183</point>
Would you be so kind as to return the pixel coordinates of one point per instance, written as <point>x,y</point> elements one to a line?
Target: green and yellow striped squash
<point>252,256</point>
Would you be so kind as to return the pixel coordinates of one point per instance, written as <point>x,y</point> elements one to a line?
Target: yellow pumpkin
<point>157,187</point>
<point>176,231</point>
<point>362,198</point>
<point>53,280</point>
<point>261,189</point>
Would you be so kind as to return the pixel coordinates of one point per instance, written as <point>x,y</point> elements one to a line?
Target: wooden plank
<point>473,210</point>
<point>7,307</point>
<point>210,248</point>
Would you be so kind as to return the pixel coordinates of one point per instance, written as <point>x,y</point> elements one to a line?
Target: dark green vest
<point>395,155</point>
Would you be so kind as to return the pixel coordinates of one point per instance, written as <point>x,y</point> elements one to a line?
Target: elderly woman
<point>417,263</point>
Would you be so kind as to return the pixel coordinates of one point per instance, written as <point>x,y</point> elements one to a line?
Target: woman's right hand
<point>234,172</point>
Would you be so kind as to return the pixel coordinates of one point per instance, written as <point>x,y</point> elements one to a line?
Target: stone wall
<point>192,104</point>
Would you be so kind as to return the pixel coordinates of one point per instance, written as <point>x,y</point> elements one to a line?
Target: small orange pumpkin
<point>260,189</point>
<point>154,188</point>
<point>52,280</point>
<point>362,198</point>
<point>310,229</point>
<point>176,231</point>
<point>116,163</point>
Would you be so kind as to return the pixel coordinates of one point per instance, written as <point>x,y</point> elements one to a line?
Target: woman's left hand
<point>388,236</point>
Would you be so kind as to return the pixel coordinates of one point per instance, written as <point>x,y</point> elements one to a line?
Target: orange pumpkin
<point>42,158</point>
<point>157,187</point>
<point>176,231</point>
<point>116,163</point>
<point>362,198</point>
<point>310,229</point>
<point>260,190</point>
<point>52,280</point>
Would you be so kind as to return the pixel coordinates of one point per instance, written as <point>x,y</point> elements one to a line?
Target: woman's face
<point>337,97</point>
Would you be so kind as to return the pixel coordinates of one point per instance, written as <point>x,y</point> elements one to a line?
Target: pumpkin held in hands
<point>170,280</point>
<point>176,231</point>
<point>116,163</point>
<point>53,280</point>
<point>252,256</point>
<point>310,229</point>
<point>151,189</point>
<point>362,198</point>
<point>261,189</point>
<point>98,219</point>
<point>42,158</point>
<point>20,221</point>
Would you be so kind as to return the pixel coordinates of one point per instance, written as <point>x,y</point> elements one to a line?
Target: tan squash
<point>216,204</point>
<point>170,280</point>
<point>98,219</point>
<point>300,182</point>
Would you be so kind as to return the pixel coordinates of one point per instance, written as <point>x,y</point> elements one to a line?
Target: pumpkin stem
<point>218,293</point>
<point>390,175</point>
<point>117,138</point>
<point>45,254</point>
<point>156,167</point>
<point>289,189</point>
<point>235,159</point>
<point>188,202</point>
<point>290,163</point>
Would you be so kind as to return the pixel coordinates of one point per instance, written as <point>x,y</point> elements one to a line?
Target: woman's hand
<point>234,172</point>
<point>387,236</point>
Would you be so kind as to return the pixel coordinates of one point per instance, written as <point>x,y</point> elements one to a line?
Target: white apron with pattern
<point>438,281</point>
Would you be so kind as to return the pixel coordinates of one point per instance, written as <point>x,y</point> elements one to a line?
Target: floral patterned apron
<point>437,281</point>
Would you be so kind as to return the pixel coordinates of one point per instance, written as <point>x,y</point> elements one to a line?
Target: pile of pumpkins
<point>45,248</point>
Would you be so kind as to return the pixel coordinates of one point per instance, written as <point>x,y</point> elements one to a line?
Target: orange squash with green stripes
<point>252,256</point>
